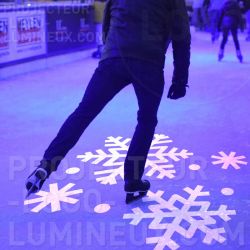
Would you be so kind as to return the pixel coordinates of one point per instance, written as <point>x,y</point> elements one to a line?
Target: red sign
<point>4,33</point>
<point>29,30</point>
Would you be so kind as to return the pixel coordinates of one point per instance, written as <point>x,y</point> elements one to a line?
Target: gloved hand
<point>177,91</point>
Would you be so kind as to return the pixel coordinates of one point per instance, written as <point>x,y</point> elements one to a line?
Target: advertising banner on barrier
<point>22,35</point>
<point>4,33</point>
<point>69,28</point>
<point>5,46</point>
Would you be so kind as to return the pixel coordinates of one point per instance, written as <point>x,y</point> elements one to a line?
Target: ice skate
<point>98,53</point>
<point>136,190</point>
<point>239,56</point>
<point>220,55</point>
<point>36,179</point>
<point>214,38</point>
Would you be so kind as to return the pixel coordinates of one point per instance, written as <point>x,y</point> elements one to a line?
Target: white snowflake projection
<point>229,160</point>
<point>194,213</point>
<point>54,197</point>
<point>157,162</point>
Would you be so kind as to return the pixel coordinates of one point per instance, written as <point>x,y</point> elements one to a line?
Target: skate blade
<point>134,196</point>
<point>33,183</point>
<point>33,189</point>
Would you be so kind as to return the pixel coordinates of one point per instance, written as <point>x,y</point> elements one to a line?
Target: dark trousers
<point>234,33</point>
<point>214,16</point>
<point>197,18</point>
<point>111,76</point>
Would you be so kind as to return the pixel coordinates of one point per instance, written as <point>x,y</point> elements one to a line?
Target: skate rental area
<point>195,190</point>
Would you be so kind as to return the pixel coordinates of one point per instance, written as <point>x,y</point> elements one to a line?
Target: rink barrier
<point>43,31</point>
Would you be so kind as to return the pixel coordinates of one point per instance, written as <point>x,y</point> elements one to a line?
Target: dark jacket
<point>246,5</point>
<point>143,29</point>
<point>206,3</point>
<point>231,17</point>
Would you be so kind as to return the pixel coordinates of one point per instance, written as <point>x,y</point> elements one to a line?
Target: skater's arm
<point>181,41</point>
<point>106,21</point>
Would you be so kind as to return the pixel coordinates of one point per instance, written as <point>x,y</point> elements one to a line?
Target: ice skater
<point>197,17</point>
<point>230,21</point>
<point>136,35</point>
<point>214,16</point>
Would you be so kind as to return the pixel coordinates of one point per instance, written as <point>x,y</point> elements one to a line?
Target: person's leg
<point>196,18</point>
<point>108,79</point>
<point>224,38</point>
<point>215,15</point>
<point>248,25</point>
<point>200,19</point>
<point>235,38</point>
<point>237,44</point>
<point>204,18</point>
<point>148,82</point>
<point>223,43</point>
<point>212,17</point>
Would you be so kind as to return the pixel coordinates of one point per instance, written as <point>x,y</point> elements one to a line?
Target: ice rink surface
<point>198,165</point>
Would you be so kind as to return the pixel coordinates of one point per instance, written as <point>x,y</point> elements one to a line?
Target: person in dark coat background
<point>99,6</point>
<point>197,16</point>
<point>136,35</point>
<point>214,16</point>
<point>230,21</point>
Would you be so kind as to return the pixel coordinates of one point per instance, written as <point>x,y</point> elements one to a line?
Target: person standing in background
<point>230,20</point>
<point>197,18</point>
<point>247,13</point>
<point>204,14</point>
<point>99,6</point>
<point>214,16</point>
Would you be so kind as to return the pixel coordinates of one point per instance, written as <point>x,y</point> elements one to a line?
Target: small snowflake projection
<point>113,159</point>
<point>229,160</point>
<point>195,214</point>
<point>54,197</point>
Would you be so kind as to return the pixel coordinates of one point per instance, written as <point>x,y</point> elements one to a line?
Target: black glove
<point>177,91</point>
